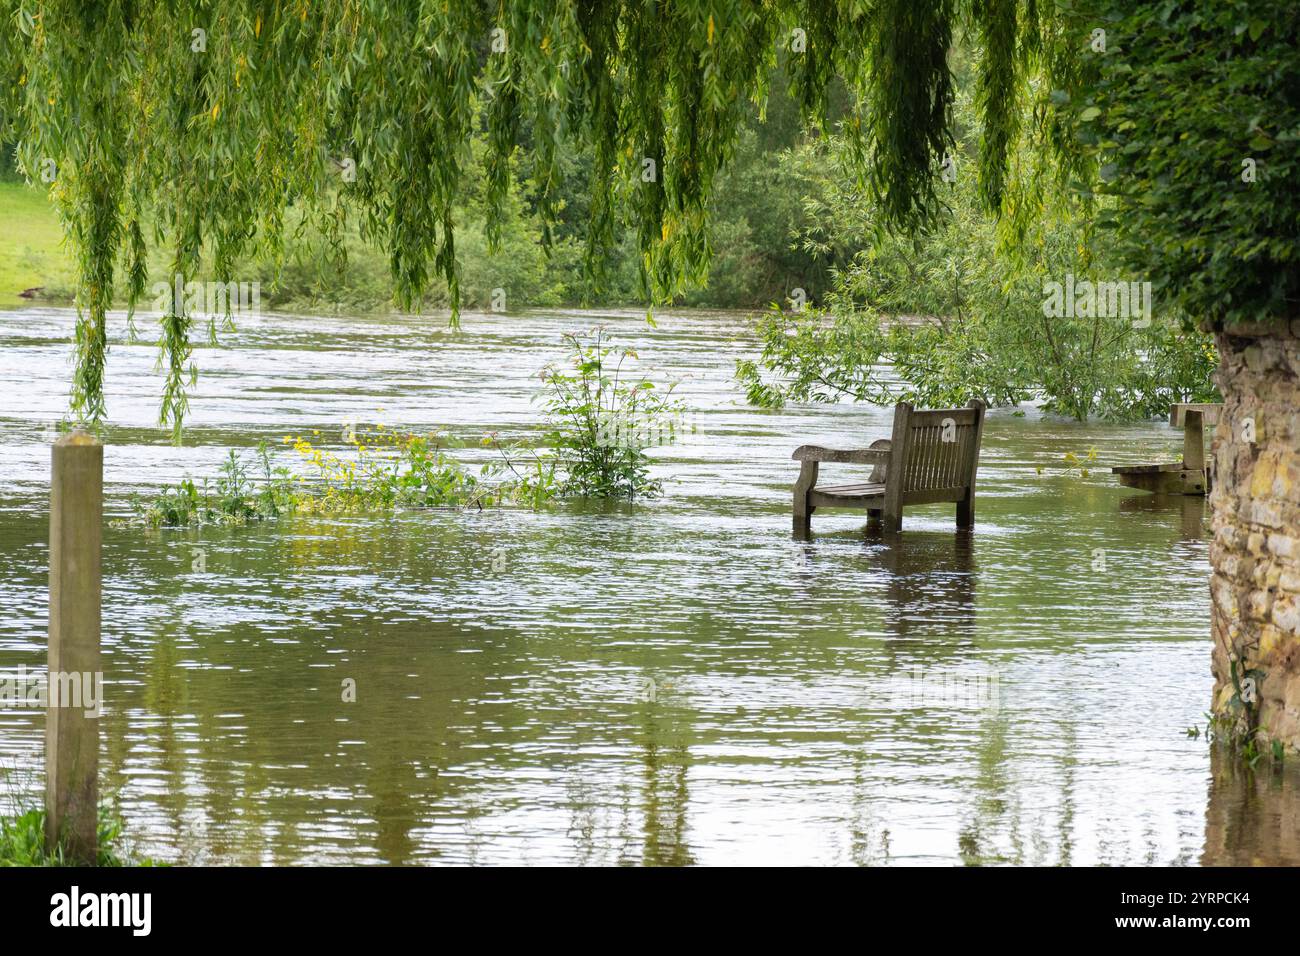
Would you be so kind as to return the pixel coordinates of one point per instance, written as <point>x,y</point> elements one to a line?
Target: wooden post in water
<point>71,734</point>
<point>1193,440</point>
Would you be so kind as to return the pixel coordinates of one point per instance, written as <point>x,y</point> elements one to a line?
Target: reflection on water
<point>1253,818</point>
<point>668,683</point>
<point>1190,509</point>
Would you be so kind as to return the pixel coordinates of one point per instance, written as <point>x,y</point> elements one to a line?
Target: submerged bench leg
<point>803,521</point>
<point>966,512</point>
<point>803,511</point>
<point>891,521</point>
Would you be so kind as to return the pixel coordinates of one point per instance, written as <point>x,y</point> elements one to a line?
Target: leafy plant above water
<point>386,469</point>
<point>234,498</point>
<point>1075,465</point>
<point>383,469</point>
<point>602,419</point>
<point>22,841</point>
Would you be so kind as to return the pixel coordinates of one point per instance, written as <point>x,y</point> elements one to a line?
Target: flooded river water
<point>678,681</point>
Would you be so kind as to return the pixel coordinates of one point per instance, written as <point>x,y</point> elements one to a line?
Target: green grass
<point>22,831</point>
<point>31,247</point>
<point>22,842</point>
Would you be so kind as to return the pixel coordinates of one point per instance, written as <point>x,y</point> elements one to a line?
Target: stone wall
<point>1255,553</point>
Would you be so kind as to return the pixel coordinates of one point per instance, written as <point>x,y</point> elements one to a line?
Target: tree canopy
<point>1195,122</point>
<point>199,124</point>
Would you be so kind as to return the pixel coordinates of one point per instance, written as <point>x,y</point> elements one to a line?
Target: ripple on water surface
<point>675,681</point>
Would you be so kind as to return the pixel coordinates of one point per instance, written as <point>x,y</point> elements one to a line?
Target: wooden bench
<point>932,456</point>
<point>1194,475</point>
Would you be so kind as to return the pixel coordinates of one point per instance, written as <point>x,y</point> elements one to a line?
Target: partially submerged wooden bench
<point>1191,476</point>
<point>932,456</point>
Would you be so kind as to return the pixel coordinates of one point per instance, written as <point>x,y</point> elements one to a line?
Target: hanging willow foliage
<point>199,123</point>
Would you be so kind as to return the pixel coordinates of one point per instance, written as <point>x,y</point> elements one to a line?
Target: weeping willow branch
<point>201,124</point>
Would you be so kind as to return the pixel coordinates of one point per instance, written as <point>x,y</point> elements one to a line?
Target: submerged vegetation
<point>381,469</point>
<point>388,469</point>
<point>233,498</point>
<point>391,469</point>
<point>601,420</point>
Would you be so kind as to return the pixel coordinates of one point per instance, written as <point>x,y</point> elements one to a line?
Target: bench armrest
<point>861,456</point>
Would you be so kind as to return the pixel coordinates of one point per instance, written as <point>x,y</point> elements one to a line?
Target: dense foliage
<point>208,129</point>
<point>954,312</point>
<point>1195,119</point>
<point>753,215</point>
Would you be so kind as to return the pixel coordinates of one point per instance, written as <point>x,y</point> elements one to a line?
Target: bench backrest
<point>935,452</point>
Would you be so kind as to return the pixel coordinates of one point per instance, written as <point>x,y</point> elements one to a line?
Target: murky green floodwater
<point>674,682</point>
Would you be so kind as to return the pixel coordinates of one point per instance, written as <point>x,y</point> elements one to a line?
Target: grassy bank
<point>33,257</point>
<point>31,247</point>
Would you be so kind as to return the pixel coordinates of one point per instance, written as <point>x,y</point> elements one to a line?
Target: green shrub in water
<point>601,421</point>
<point>235,498</point>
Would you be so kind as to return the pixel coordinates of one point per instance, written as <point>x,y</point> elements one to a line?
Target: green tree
<point>959,316</point>
<point>201,126</point>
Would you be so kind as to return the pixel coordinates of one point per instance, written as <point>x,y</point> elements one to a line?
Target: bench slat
<point>859,456</point>
<point>861,490</point>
